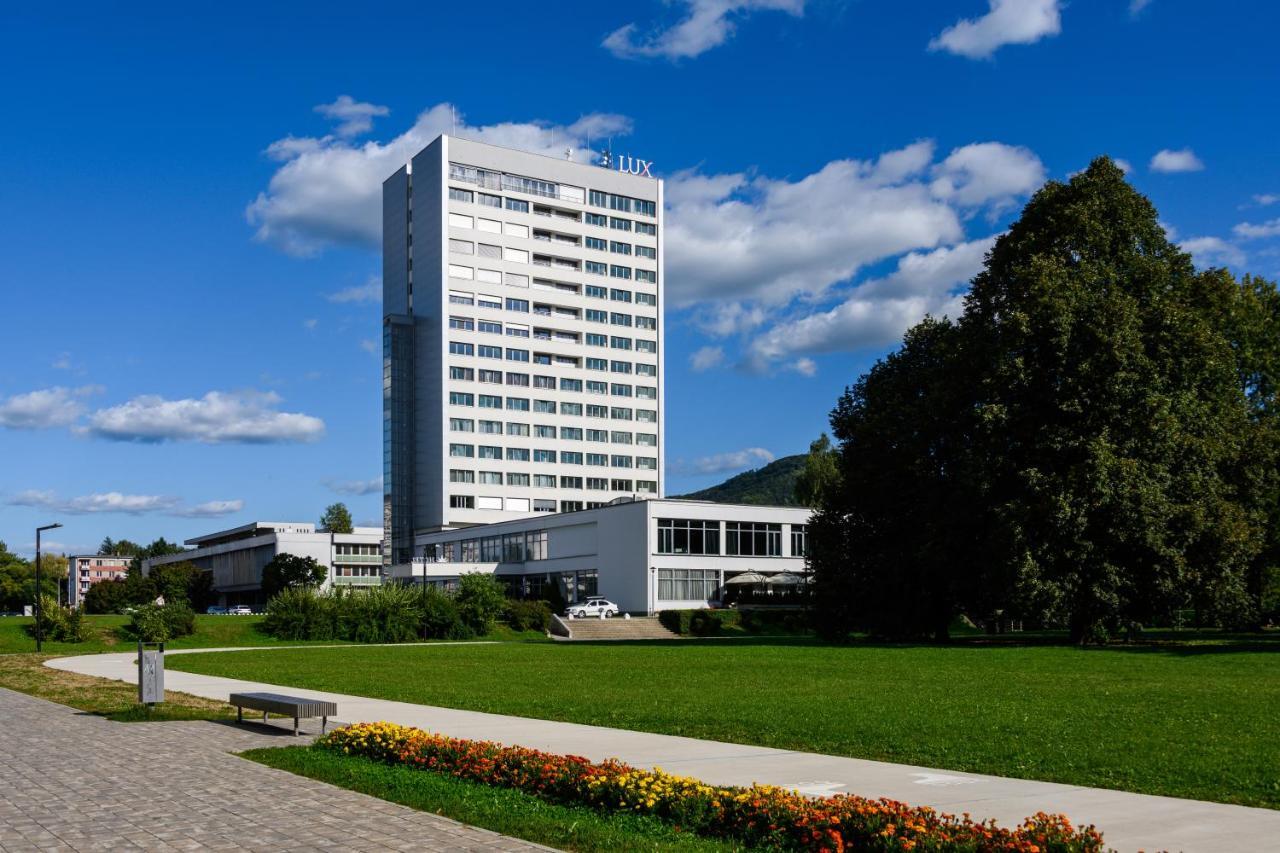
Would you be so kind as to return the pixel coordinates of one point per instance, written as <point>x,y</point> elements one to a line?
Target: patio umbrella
<point>785,579</point>
<point>746,578</point>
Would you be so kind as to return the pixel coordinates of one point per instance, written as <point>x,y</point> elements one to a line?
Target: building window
<point>518,429</point>
<point>517,205</point>
<point>752,539</point>
<point>799,540</point>
<point>687,584</point>
<point>458,398</point>
<point>464,373</point>
<point>647,252</point>
<point>459,348</point>
<point>684,536</point>
<point>620,485</point>
<point>490,200</point>
<point>462,502</point>
<point>457,475</point>
<point>615,246</point>
<point>462,450</point>
<point>545,481</point>
<point>616,271</point>
<point>598,219</point>
<point>462,425</point>
<point>647,276</point>
<point>535,542</point>
<point>570,506</point>
<point>491,478</point>
<point>514,479</point>
<point>647,227</point>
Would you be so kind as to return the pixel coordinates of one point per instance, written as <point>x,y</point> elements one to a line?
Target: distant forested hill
<point>774,484</point>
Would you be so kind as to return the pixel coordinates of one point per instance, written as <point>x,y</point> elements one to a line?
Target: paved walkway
<point>1128,821</point>
<point>73,781</point>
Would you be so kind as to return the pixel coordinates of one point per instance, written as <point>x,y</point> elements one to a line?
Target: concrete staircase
<point>617,628</point>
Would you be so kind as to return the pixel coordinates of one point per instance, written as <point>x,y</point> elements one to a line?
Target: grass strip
<point>506,811</point>
<point>104,697</point>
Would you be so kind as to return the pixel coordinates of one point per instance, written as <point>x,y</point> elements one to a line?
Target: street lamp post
<point>40,530</point>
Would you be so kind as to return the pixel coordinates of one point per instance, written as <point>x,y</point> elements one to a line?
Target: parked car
<point>215,610</point>
<point>240,610</point>
<point>594,606</point>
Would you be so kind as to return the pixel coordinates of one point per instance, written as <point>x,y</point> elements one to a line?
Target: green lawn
<point>1183,719</point>
<point>509,812</point>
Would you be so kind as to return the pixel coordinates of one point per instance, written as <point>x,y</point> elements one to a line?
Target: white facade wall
<point>448,240</point>
<point>620,544</point>
<point>237,563</point>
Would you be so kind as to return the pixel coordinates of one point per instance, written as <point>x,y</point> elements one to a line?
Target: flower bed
<point>761,815</point>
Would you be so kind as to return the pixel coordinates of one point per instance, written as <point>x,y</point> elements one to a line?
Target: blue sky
<point>187,243</point>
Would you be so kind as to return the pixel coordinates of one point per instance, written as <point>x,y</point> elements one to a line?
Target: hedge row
<point>759,816</point>
<point>399,614</point>
<point>709,623</point>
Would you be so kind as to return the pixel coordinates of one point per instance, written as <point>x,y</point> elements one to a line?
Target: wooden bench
<point>289,706</point>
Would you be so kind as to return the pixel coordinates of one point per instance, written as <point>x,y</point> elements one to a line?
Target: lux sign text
<point>635,166</point>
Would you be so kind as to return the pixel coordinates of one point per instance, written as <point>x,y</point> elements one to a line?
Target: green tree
<point>109,596</point>
<point>337,519</point>
<point>183,583</point>
<point>118,548</point>
<point>142,589</point>
<point>821,473</point>
<point>481,600</point>
<point>1087,450</point>
<point>289,571</point>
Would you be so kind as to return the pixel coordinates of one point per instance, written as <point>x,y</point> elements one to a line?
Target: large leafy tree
<point>337,519</point>
<point>820,474</point>
<point>1088,445</point>
<point>287,571</point>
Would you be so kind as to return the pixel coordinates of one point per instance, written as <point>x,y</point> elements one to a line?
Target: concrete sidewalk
<point>1128,821</point>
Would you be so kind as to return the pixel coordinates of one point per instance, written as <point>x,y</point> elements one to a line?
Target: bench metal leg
<point>295,726</point>
<point>324,722</point>
<point>264,716</point>
<point>239,715</point>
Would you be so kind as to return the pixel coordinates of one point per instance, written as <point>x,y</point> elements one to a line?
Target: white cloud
<point>356,487</point>
<point>63,362</point>
<point>1136,7</point>
<point>370,291</point>
<point>210,509</point>
<point>118,502</point>
<point>737,238</point>
<point>734,460</point>
<point>707,24</point>
<point>1250,231</point>
<point>877,312</point>
<point>1182,160</point>
<point>987,173</point>
<point>329,190</point>
<point>1266,199</point>
<point>246,417</point>
<point>310,324</point>
<point>48,407</point>
<point>706,358</point>
<point>1212,251</point>
<point>369,345</point>
<point>354,117</point>
<point>1007,22</point>
<point>1124,165</point>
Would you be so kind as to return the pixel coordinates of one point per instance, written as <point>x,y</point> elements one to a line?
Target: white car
<point>240,610</point>
<point>594,606</point>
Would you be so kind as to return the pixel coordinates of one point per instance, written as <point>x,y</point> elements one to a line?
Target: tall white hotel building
<point>522,337</point>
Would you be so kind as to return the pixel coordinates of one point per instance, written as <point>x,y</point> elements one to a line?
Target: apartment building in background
<point>522,338</point>
<point>84,570</point>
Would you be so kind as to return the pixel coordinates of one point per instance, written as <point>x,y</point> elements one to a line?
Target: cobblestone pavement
<point>72,781</point>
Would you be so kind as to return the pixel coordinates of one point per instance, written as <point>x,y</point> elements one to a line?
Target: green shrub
<point>676,621</point>
<point>60,624</point>
<point>383,614</point>
<point>441,618</point>
<point>154,623</point>
<point>529,615</point>
<point>301,613</point>
<point>481,600</point>
<point>708,623</point>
